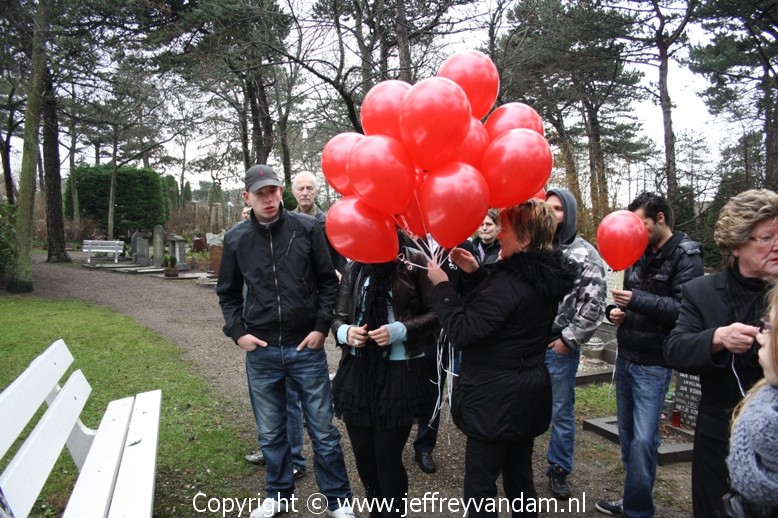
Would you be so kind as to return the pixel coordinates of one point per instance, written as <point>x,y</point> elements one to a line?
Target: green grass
<point>595,400</point>
<point>201,446</point>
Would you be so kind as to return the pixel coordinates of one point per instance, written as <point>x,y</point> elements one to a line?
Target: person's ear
<point>660,218</point>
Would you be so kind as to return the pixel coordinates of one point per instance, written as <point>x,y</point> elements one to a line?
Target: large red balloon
<point>381,173</point>
<point>334,158</point>
<point>453,201</point>
<point>434,120</point>
<point>472,149</point>
<point>478,77</point>
<point>516,166</point>
<point>512,116</point>
<point>359,232</point>
<point>380,113</point>
<point>621,238</point>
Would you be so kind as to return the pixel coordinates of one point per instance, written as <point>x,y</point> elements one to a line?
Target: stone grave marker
<point>141,255</point>
<point>613,281</point>
<point>134,243</point>
<point>687,397</point>
<point>177,245</point>
<point>159,245</point>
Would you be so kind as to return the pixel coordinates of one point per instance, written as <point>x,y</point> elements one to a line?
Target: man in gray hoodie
<point>580,314</point>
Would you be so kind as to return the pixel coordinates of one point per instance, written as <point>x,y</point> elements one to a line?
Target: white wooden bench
<point>117,462</point>
<point>91,246</point>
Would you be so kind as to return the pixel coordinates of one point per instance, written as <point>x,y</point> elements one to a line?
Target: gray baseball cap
<point>260,175</point>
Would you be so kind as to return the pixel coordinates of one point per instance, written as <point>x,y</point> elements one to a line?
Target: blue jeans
<point>294,424</point>
<point>640,393</point>
<point>269,369</point>
<point>562,369</point>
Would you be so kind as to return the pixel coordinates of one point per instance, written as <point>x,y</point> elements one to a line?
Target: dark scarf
<point>372,359</point>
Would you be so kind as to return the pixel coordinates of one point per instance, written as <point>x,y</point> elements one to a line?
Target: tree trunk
<point>55,221</point>
<point>21,273</point>
<point>667,123</point>
<point>597,182</point>
<point>265,122</point>
<point>73,177</point>
<point>112,190</point>
<point>771,131</point>
<point>5,151</point>
<point>403,45</point>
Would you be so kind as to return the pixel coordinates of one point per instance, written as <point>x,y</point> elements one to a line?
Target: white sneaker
<point>341,512</point>
<point>270,508</point>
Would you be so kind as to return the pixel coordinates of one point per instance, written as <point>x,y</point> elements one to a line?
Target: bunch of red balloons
<point>427,163</point>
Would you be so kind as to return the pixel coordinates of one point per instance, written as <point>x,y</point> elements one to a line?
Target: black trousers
<point>710,477</point>
<point>484,461</point>
<point>378,454</point>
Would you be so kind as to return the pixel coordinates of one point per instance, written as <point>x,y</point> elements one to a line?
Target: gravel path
<point>189,316</point>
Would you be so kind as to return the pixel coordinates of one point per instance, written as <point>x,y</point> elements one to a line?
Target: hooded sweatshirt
<point>582,310</point>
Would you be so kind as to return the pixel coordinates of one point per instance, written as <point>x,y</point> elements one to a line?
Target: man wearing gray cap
<point>291,286</point>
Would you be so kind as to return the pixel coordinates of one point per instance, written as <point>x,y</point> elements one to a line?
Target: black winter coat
<point>655,281</point>
<point>504,391</point>
<point>289,279</point>
<point>687,349</point>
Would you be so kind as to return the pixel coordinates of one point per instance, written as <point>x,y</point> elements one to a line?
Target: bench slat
<point>24,477</point>
<point>134,492</point>
<point>22,398</point>
<point>91,497</point>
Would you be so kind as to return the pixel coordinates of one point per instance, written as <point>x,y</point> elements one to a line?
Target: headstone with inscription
<point>159,245</point>
<point>614,281</point>
<point>687,398</point>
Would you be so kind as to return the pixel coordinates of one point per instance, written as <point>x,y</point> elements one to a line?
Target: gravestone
<point>687,397</point>
<point>134,244</point>
<point>177,246</point>
<point>613,281</point>
<point>141,255</point>
<point>159,245</point>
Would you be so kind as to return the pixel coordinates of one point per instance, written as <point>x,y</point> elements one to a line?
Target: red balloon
<point>453,200</point>
<point>540,195</point>
<point>478,77</point>
<point>411,220</point>
<point>381,173</point>
<point>360,232</point>
<point>516,166</point>
<point>511,116</point>
<point>434,120</point>
<point>472,149</point>
<point>334,158</point>
<point>621,238</point>
<point>380,113</point>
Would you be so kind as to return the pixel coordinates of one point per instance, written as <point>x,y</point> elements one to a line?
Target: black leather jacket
<point>290,283</point>
<point>410,302</point>
<point>655,281</point>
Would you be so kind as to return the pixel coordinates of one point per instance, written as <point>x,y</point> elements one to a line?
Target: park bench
<point>91,246</point>
<point>117,462</point>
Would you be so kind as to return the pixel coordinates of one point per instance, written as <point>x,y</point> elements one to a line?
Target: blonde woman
<point>715,334</point>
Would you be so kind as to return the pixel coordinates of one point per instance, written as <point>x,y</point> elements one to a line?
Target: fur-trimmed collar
<point>548,272</point>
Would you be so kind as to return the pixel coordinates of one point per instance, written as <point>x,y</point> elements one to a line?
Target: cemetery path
<point>188,315</point>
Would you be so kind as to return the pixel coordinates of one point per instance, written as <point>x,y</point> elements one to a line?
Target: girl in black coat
<point>384,322</point>
<point>502,399</point>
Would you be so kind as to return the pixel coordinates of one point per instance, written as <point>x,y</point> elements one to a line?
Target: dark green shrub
<point>7,237</point>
